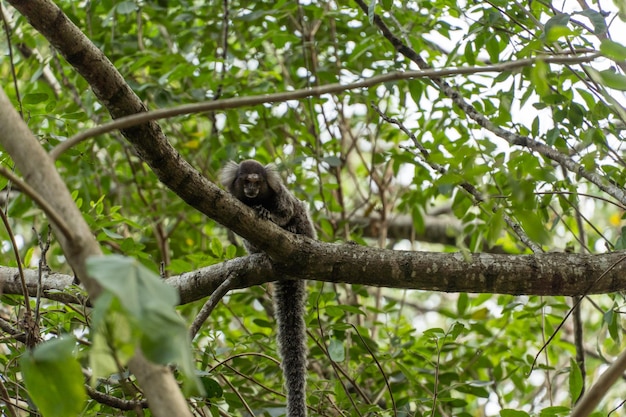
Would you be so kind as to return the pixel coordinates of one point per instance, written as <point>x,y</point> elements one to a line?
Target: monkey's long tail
<point>290,298</point>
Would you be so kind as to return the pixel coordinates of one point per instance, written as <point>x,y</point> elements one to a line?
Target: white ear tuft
<point>228,173</point>
<point>273,178</point>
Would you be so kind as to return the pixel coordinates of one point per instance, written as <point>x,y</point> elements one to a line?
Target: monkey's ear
<point>228,173</point>
<point>273,178</point>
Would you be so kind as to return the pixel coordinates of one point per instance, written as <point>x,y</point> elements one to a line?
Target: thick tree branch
<point>39,172</point>
<point>542,274</point>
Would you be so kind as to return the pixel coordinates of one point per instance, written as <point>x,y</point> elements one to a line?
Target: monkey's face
<point>252,185</point>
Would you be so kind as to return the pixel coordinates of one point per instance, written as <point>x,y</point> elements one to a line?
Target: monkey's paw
<point>262,212</point>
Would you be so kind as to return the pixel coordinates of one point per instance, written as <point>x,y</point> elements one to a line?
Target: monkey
<point>261,188</point>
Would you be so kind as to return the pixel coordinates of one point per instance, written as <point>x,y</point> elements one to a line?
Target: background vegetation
<point>516,149</point>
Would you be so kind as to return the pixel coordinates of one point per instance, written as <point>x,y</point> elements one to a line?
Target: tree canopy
<point>462,163</point>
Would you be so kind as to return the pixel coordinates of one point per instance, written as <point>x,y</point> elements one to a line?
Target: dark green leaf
<point>212,388</point>
<point>597,20</point>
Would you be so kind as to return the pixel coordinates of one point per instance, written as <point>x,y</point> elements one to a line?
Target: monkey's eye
<point>253,178</point>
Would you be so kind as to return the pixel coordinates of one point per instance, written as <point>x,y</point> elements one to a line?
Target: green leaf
<point>456,330</point>
<point>212,388</point>
<point>113,341</point>
<point>556,27</point>
<point>217,248</point>
<point>554,411</point>
<point>461,304</point>
<point>434,332</point>
<point>539,78</point>
<point>575,380</point>
<point>336,350</point>
<point>473,390</point>
<point>333,161</point>
<point>148,304</point>
<point>552,135</point>
<point>34,98</point>
<point>597,20</point>
<point>496,225</point>
<point>493,48</point>
<point>613,324</point>
<point>371,10</point>
<point>138,289</point>
<point>613,80</point>
<point>533,226</point>
<point>620,243</point>
<point>54,378</point>
<point>126,7</point>
<point>469,54</point>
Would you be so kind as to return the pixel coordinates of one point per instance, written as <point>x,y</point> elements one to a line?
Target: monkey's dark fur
<point>260,187</point>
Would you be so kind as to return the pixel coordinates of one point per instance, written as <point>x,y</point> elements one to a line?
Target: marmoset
<point>261,188</point>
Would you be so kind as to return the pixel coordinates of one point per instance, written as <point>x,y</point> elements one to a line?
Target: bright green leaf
<point>34,98</point>
<point>556,27</point>
<point>613,80</point>
<point>539,78</point>
<point>575,381</point>
<point>217,248</point>
<point>462,303</point>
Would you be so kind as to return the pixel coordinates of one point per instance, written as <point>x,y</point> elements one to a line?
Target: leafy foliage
<point>382,351</point>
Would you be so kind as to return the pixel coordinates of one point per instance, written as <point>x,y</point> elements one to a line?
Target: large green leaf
<point>54,378</point>
<point>149,321</point>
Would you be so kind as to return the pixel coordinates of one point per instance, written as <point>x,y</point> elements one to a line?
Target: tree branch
<point>39,172</point>
<point>238,102</point>
<point>549,274</point>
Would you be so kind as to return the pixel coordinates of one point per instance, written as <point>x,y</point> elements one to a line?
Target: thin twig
<point>18,260</point>
<point>210,305</point>
<point>43,204</point>
<point>576,303</point>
